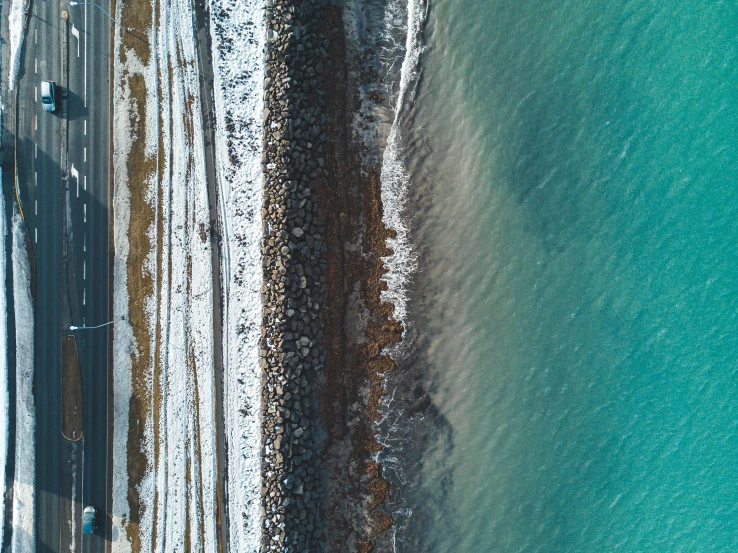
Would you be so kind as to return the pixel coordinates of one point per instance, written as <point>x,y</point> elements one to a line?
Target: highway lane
<point>89,150</point>
<point>39,165</point>
<point>69,475</point>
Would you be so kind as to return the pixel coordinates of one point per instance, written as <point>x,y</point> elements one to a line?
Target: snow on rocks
<point>24,484</point>
<point>238,35</point>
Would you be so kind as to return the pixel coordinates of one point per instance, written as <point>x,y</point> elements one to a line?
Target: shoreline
<point>338,278</point>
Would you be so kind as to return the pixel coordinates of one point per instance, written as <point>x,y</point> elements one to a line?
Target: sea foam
<point>395,181</point>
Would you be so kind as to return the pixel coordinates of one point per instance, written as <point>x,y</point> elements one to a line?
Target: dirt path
<point>204,56</point>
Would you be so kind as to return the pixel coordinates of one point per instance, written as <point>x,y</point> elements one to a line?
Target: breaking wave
<point>395,180</point>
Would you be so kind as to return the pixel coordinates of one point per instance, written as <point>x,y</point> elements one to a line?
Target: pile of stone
<point>294,277</point>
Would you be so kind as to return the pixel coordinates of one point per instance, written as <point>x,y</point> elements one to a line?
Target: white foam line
<point>402,262</point>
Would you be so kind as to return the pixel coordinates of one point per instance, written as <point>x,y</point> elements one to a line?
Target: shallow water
<point>573,182</point>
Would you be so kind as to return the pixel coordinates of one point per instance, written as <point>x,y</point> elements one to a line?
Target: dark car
<point>88,520</point>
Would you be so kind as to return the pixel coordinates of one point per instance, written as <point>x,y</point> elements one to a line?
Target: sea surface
<point>570,375</point>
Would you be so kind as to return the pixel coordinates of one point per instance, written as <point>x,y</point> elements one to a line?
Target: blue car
<point>88,520</point>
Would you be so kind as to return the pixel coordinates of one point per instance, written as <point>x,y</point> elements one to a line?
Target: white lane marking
<point>35,123</point>
<point>35,151</point>
<point>75,173</point>
<point>78,188</point>
<point>85,181</point>
<point>84,270</point>
<point>35,36</point>
<point>86,54</point>
<point>35,177</point>
<point>84,296</point>
<point>85,153</point>
<point>35,93</point>
<point>35,207</point>
<point>85,210</point>
<point>75,32</point>
<point>35,235</point>
<point>85,127</point>
<point>35,65</point>
<point>84,243</point>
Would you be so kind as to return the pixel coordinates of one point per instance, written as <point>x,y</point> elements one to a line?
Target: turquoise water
<point>574,170</point>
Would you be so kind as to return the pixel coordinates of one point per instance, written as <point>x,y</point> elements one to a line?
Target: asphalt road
<point>67,219</point>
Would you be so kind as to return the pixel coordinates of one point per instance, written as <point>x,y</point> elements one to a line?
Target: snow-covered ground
<point>23,540</point>
<point>238,33</point>
<point>177,494</point>
<point>178,491</point>
<point>4,397</point>
<point>15,26</point>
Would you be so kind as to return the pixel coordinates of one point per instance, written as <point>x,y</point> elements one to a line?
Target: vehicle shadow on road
<point>76,108</point>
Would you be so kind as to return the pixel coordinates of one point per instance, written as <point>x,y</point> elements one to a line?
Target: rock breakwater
<point>292,354</point>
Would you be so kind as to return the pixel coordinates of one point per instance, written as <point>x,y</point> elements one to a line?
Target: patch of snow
<point>178,491</point>
<point>124,344</point>
<point>24,484</point>
<point>15,28</point>
<point>238,32</point>
<point>187,412</point>
<point>4,398</point>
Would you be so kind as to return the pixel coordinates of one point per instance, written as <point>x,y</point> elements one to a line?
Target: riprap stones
<point>294,276</point>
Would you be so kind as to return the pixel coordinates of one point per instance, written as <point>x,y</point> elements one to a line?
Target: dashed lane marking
<point>35,207</point>
<point>35,94</point>
<point>35,151</point>
<point>35,36</point>
<point>84,296</point>
<point>85,127</point>
<point>35,65</point>
<point>85,182</point>
<point>84,270</point>
<point>85,153</point>
<point>35,123</point>
<point>35,235</point>
<point>85,210</point>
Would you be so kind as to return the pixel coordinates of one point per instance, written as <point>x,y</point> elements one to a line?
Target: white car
<point>48,95</point>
